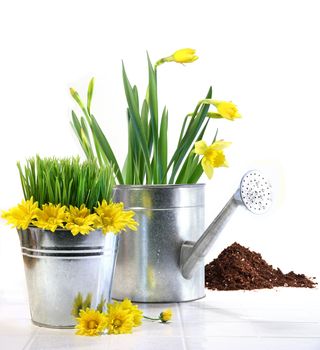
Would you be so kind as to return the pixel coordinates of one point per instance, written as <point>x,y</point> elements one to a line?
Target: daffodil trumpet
<point>225,109</point>
<point>180,56</point>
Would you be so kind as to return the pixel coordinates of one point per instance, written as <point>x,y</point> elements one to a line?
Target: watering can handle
<point>192,253</point>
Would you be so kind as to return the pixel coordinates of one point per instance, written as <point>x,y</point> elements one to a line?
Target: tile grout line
<point>34,334</point>
<point>183,336</point>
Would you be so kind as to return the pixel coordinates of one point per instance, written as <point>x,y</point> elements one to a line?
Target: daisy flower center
<point>92,324</point>
<point>117,323</point>
<point>79,221</point>
<point>52,220</point>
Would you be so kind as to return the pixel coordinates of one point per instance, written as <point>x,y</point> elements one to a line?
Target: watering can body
<point>164,260</point>
<point>148,265</point>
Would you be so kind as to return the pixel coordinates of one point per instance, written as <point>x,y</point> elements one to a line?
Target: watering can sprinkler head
<point>254,193</point>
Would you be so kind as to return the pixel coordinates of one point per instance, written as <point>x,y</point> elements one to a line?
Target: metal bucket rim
<point>60,229</point>
<point>158,186</point>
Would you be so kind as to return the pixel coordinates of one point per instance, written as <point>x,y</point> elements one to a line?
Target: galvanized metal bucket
<point>59,265</point>
<point>148,264</point>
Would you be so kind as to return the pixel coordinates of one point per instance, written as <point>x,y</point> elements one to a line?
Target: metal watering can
<point>164,260</point>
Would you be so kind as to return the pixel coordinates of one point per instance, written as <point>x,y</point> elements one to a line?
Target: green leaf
<point>153,105</point>
<point>189,165</point>
<point>144,118</point>
<point>189,138</point>
<point>196,174</point>
<point>163,145</point>
<point>129,160</point>
<point>136,122</point>
<point>105,146</point>
<point>136,96</point>
<point>186,119</point>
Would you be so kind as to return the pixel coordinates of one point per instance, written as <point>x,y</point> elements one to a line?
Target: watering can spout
<point>254,193</point>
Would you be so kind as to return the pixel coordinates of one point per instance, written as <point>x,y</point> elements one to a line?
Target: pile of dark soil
<point>238,268</point>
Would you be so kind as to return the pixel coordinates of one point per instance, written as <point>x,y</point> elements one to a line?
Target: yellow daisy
<point>213,156</point>
<point>22,215</point>
<point>80,220</point>
<point>50,217</point>
<point>126,304</point>
<point>119,320</point>
<point>113,218</point>
<point>90,322</point>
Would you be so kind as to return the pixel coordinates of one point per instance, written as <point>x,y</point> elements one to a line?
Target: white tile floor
<point>285,318</point>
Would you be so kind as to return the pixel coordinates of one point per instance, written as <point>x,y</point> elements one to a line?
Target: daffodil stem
<point>161,61</point>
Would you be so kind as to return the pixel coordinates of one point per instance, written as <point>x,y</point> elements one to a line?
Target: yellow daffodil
<point>180,56</point>
<point>113,218</point>
<point>50,217</point>
<point>80,220</point>
<point>213,156</point>
<point>184,56</point>
<point>118,319</point>
<point>227,110</point>
<point>91,322</point>
<point>165,315</point>
<point>126,304</point>
<point>22,215</point>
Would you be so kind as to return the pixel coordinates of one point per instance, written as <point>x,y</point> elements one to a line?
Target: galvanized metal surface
<point>192,254</point>
<point>164,260</point>
<point>254,193</point>
<point>148,263</point>
<point>58,266</point>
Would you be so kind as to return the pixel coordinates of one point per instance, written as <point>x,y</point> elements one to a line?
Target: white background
<point>262,55</point>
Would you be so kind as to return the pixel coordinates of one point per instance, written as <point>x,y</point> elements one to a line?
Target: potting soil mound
<point>238,268</point>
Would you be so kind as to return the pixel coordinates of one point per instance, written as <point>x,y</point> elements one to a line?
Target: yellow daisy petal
<point>22,215</point>
<point>80,220</point>
<point>113,218</point>
<point>91,322</point>
<point>50,217</point>
<point>118,320</point>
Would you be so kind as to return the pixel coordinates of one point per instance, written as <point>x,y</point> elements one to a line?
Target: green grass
<point>66,181</point>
